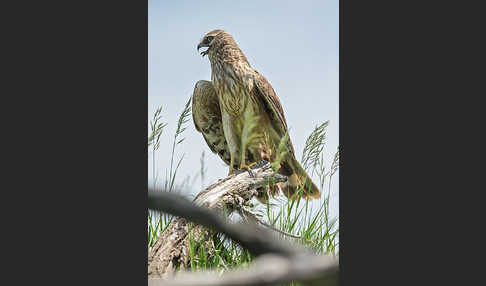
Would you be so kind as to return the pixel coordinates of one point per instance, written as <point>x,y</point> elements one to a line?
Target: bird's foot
<point>231,171</point>
<point>248,168</point>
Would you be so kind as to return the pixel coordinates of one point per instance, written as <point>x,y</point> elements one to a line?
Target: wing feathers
<point>272,103</point>
<point>206,115</point>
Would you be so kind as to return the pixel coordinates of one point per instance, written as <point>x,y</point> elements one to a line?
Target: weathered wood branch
<point>250,216</point>
<point>268,269</point>
<point>278,262</point>
<point>171,250</point>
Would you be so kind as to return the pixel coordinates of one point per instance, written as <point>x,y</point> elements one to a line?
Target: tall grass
<point>183,118</point>
<point>157,221</point>
<point>309,220</point>
<point>156,127</point>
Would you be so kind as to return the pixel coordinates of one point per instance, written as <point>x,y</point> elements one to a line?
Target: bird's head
<point>209,40</point>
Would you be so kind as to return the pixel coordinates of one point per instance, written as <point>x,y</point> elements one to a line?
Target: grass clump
<point>309,220</point>
<point>158,222</point>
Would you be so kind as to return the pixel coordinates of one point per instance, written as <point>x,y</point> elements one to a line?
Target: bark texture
<point>171,250</point>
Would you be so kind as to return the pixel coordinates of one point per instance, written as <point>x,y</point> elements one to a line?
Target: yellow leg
<point>231,169</point>
<point>243,166</point>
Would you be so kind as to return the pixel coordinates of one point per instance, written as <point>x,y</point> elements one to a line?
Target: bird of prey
<point>241,118</point>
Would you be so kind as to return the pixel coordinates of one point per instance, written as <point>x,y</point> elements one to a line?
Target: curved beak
<point>201,45</point>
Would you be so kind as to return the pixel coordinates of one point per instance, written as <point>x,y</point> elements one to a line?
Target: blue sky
<point>294,44</point>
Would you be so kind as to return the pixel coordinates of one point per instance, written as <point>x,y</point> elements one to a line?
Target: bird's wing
<point>206,115</point>
<point>272,104</point>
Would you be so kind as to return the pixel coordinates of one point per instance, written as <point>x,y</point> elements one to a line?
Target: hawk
<point>239,103</point>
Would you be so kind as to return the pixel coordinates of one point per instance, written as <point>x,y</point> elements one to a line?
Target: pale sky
<point>294,44</point>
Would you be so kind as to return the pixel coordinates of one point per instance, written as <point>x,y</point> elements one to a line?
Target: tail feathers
<point>298,185</point>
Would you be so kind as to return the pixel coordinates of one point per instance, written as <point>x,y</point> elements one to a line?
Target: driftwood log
<point>277,261</point>
<point>171,250</point>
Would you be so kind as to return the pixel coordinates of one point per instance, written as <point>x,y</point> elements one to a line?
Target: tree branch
<point>277,262</point>
<point>268,269</point>
<point>254,216</point>
<point>172,248</point>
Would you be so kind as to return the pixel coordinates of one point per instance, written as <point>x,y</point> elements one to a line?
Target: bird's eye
<point>209,39</point>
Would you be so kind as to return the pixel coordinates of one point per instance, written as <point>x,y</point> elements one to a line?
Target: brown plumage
<point>237,95</point>
<point>206,115</point>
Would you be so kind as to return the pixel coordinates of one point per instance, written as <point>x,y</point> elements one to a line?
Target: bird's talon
<point>248,169</point>
<point>253,165</point>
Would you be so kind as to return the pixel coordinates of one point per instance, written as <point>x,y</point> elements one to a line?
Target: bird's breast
<point>233,93</point>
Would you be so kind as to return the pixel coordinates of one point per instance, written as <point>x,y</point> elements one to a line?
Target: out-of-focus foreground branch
<point>277,262</point>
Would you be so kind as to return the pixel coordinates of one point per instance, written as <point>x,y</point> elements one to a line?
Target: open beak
<point>203,53</point>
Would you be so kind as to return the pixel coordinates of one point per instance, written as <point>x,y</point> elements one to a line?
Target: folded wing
<point>206,115</point>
